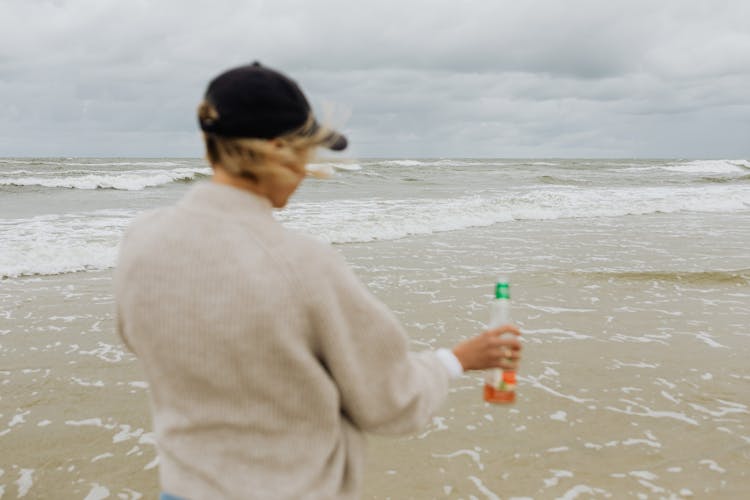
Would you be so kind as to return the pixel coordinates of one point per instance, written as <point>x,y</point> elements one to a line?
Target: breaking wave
<point>133,180</point>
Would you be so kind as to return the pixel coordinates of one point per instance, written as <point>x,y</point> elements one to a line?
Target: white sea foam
<point>52,244</point>
<point>431,163</point>
<point>557,310</point>
<point>18,418</point>
<point>86,383</point>
<point>705,337</point>
<point>711,167</point>
<point>484,489</point>
<point>96,422</point>
<point>106,352</point>
<point>471,453</point>
<point>712,465</point>
<point>556,475</point>
<point>124,431</point>
<point>670,397</point>
<point>25,481</point>
<point>126,434</point>
<point>336,165</point>
<point>648,412</point>
<point>647,442</point>
<point>133,180</point>
<point>438,424</point>
<point>557,333</point>
<point>405,163</point>
<point>152,464</point>
<point>727,408</point>
<point>582,489</point>
<point>535,382</point>
<point>98,492</point>
<point>345,221</point>
<point>124,163</point>
<point>559,416</point>
<point>644,474</point>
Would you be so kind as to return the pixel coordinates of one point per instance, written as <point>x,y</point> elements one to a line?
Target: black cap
<point>257,102</point>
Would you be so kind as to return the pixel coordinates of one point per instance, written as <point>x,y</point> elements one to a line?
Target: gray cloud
<point>420,78</point>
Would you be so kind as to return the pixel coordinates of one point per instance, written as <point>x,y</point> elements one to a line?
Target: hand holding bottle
<point>495,348</point>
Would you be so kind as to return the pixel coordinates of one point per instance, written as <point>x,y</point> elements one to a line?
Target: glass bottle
<point>500,385</point>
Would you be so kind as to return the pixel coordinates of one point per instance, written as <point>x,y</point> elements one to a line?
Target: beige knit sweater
<point>267,359</point>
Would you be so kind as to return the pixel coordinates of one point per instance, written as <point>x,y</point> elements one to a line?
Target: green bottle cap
<point>502,290</point>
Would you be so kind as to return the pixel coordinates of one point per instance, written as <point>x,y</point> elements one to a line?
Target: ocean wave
<point>710,167</point>
<point>349,221</point>
<point>20,172</point>
<point>551,179</point>
<point>468,163</point>
<point>73,242</point>
<point>696,167</point>
<point>405,163</point>
<point>123,163</point>
<point>128,180</point>
<point>725,180</point>
<point>26,161</point>
<point>55,244</point>
<point>431,163</point>
<point>349,167</point>
<point>70,173</point>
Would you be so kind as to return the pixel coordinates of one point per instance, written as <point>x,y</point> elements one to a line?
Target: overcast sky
<point>402,78</point>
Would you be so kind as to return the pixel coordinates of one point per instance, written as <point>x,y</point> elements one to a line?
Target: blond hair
<point>281,159</point>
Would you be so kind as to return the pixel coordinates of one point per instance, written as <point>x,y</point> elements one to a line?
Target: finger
<point>511,356</point>
<point>506,363</point>
<point>509,342</point>
<point>512,341</point>
<point>506,328</point>
<point>514,344</point>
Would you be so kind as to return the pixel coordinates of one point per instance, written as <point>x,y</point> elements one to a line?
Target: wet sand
<point>74,408</point>
<point>635,381</point>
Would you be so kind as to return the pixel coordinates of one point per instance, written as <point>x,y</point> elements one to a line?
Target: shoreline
<point>631,383</point>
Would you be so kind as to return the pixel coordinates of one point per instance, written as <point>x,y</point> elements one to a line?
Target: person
<point>267,359</point>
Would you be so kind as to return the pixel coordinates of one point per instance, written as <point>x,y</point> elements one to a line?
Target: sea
<point>67,214</point>
<point>630,280</point>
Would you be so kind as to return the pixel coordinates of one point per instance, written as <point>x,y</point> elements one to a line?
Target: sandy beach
<point>594,155</point>
<point>634,384</point>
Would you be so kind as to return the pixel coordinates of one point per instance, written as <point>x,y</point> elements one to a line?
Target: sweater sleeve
<point>383,387</point>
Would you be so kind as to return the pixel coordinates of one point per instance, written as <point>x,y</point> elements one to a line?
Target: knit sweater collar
<point>213,197</point>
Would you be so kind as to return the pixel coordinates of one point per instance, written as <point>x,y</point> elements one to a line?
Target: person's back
<point>215,300</point>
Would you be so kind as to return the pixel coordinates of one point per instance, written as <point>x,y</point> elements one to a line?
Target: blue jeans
<point>167,496</point>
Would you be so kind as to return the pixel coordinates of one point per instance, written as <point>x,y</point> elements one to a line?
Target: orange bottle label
<point>505,392</point>
<point>505,395</point>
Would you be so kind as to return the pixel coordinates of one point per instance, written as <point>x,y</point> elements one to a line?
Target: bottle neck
<point>502,291</point>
